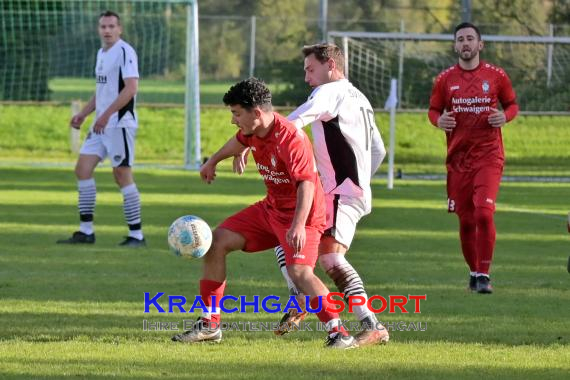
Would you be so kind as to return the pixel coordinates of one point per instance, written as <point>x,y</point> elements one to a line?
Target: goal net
<point>539,67</point>
<point>48,50</point>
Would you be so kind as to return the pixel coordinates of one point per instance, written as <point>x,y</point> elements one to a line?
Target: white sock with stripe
<point>347,281</point>
<point>86,203</point>
<point>280,255</point>
<point>132,210</point>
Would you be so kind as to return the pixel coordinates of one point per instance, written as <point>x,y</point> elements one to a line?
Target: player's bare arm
<point>231,148</point>
<point>127,93</point>
<point>296,235</point>
<point>79,118</point>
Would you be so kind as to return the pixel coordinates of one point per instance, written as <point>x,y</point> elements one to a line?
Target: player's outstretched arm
<point>298,123</point>
<point>231,148</point>
<point>319,106</point>
<point>79,118</point>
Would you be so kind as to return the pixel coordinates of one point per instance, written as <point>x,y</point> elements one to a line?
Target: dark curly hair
<point>249,93</point>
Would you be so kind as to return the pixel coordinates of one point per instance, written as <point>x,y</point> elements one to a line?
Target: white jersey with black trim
<point>113,66</point>
<point>347,144</point>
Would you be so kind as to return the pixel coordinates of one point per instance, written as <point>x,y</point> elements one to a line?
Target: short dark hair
<point>249,93</point>
<point>465,25</point>
<point>109,13</point>
<point>324,52</point>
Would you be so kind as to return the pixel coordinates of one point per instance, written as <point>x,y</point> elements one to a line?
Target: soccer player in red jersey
<point>464,104</point>
<point>291,215</point>
<point>348,150</point>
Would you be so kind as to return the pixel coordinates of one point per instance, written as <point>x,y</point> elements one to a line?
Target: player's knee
<point>467,222</point>
<point>123,176</point>
<point>294,272</point>
<point>224,242</point>
<point>299,273</point>
<point>82,172</point>
<point>483,216</point>
<point>79,173</point>
<point>330,260</point>
<point>118,180</point>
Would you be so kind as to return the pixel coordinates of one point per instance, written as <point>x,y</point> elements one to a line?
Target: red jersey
<point>471,94</point>
<point>284,157</point>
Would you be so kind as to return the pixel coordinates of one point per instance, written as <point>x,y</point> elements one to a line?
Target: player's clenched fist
<point>76,121</point>
<point>446,121</point>
<point>497,118</point>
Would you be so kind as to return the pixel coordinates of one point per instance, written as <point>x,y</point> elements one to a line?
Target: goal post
<point>390,105</point>
<point>192,146</point>
<point>48,50</point>
<point>539,66</point>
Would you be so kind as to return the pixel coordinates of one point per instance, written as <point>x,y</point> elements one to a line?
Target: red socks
<point>468,237</point>
<point>485,238</point>
<point>331,319</point>
<point>477,233</point>
<point>209,288</point>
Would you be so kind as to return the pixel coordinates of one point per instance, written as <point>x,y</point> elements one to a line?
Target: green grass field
<point>150,90</point>
<point>535,145</point>
<point>77,312</point>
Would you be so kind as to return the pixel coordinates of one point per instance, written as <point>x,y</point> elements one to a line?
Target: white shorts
<point>116,143</point>
<point>343,213</point>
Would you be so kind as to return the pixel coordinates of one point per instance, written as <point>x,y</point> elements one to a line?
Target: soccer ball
<point>189,237</point>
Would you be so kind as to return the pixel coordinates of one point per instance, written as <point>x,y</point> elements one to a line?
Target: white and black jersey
<point>347,144</point>
<point>113,66</point>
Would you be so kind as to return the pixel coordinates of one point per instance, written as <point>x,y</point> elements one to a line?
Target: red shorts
<point>476,188</point>
<point>262,231</point>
